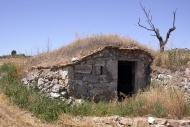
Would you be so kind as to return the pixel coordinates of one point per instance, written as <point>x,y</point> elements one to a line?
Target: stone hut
<point>94,68</point>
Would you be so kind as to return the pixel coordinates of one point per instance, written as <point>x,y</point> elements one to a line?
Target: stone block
<point>54,81</point>
<point>55,95</point>
<point>84,69</point>
<point>40,81</point>
<point>91,78</point>
<point>78,76</point>
<point>61,82</point>
<point>63,74</point>
<point>66,81</point>
<point>56,88</point>
<point>105,79</point>
<point>100,63</point>
<point>126,122</point>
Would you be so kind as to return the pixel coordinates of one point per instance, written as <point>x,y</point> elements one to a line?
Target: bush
<point>13,53</point>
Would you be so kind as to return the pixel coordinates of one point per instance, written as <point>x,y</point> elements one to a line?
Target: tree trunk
<point>162,46</point>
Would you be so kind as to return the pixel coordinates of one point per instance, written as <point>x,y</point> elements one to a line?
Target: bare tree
<point>151,27</point>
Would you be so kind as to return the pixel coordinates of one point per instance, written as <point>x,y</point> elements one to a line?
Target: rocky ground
<point>116,121</point>
<point>178,79</point>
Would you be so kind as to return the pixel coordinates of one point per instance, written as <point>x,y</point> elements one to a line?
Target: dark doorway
<point>126,77</point>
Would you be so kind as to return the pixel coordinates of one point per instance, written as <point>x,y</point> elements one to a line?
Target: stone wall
<point>94,78</point>
<point>53,83</point>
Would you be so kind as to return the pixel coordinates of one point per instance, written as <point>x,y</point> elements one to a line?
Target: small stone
<point>40,81</point>
<point>70,101</point>
<point>63,74</point>
<point>187,72</point>
<point>75,59</point>
<point>126,122</point>
<point>169,77</point>
<point>56,88</point>
<point>24,81</point>
<point>151,120</point>
<point>54,95</point>
<point>61,82</point>
<point>66,81</point>
<point>54,81</point>
<point>173,124</point>
<point>64,93</point>
<point>162,122</point>
<point>185,123</point>
<point>163,77</point>
<point>79,101</point>
<point>46,80</point>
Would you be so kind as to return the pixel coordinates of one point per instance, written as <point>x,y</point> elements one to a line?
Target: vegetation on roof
<point>83,47</point>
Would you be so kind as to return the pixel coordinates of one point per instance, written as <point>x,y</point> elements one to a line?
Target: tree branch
<point>171,29</point>
<point>155,30</point>
<point>150,29</point>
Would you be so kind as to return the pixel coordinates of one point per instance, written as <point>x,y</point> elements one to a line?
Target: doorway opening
<point>126,79</point>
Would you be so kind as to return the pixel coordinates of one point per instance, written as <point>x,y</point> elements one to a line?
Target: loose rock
<point>54,95</point>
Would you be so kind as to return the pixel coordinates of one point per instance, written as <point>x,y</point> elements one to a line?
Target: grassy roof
<point>83,47</point>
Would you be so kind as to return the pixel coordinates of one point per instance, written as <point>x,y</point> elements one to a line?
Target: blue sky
<point>26,25</point>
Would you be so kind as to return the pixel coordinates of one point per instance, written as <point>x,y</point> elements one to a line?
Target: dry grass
<point>83,47</point>
<point>163,102</point>
<point>173,59</point>
<point>19,61</point>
